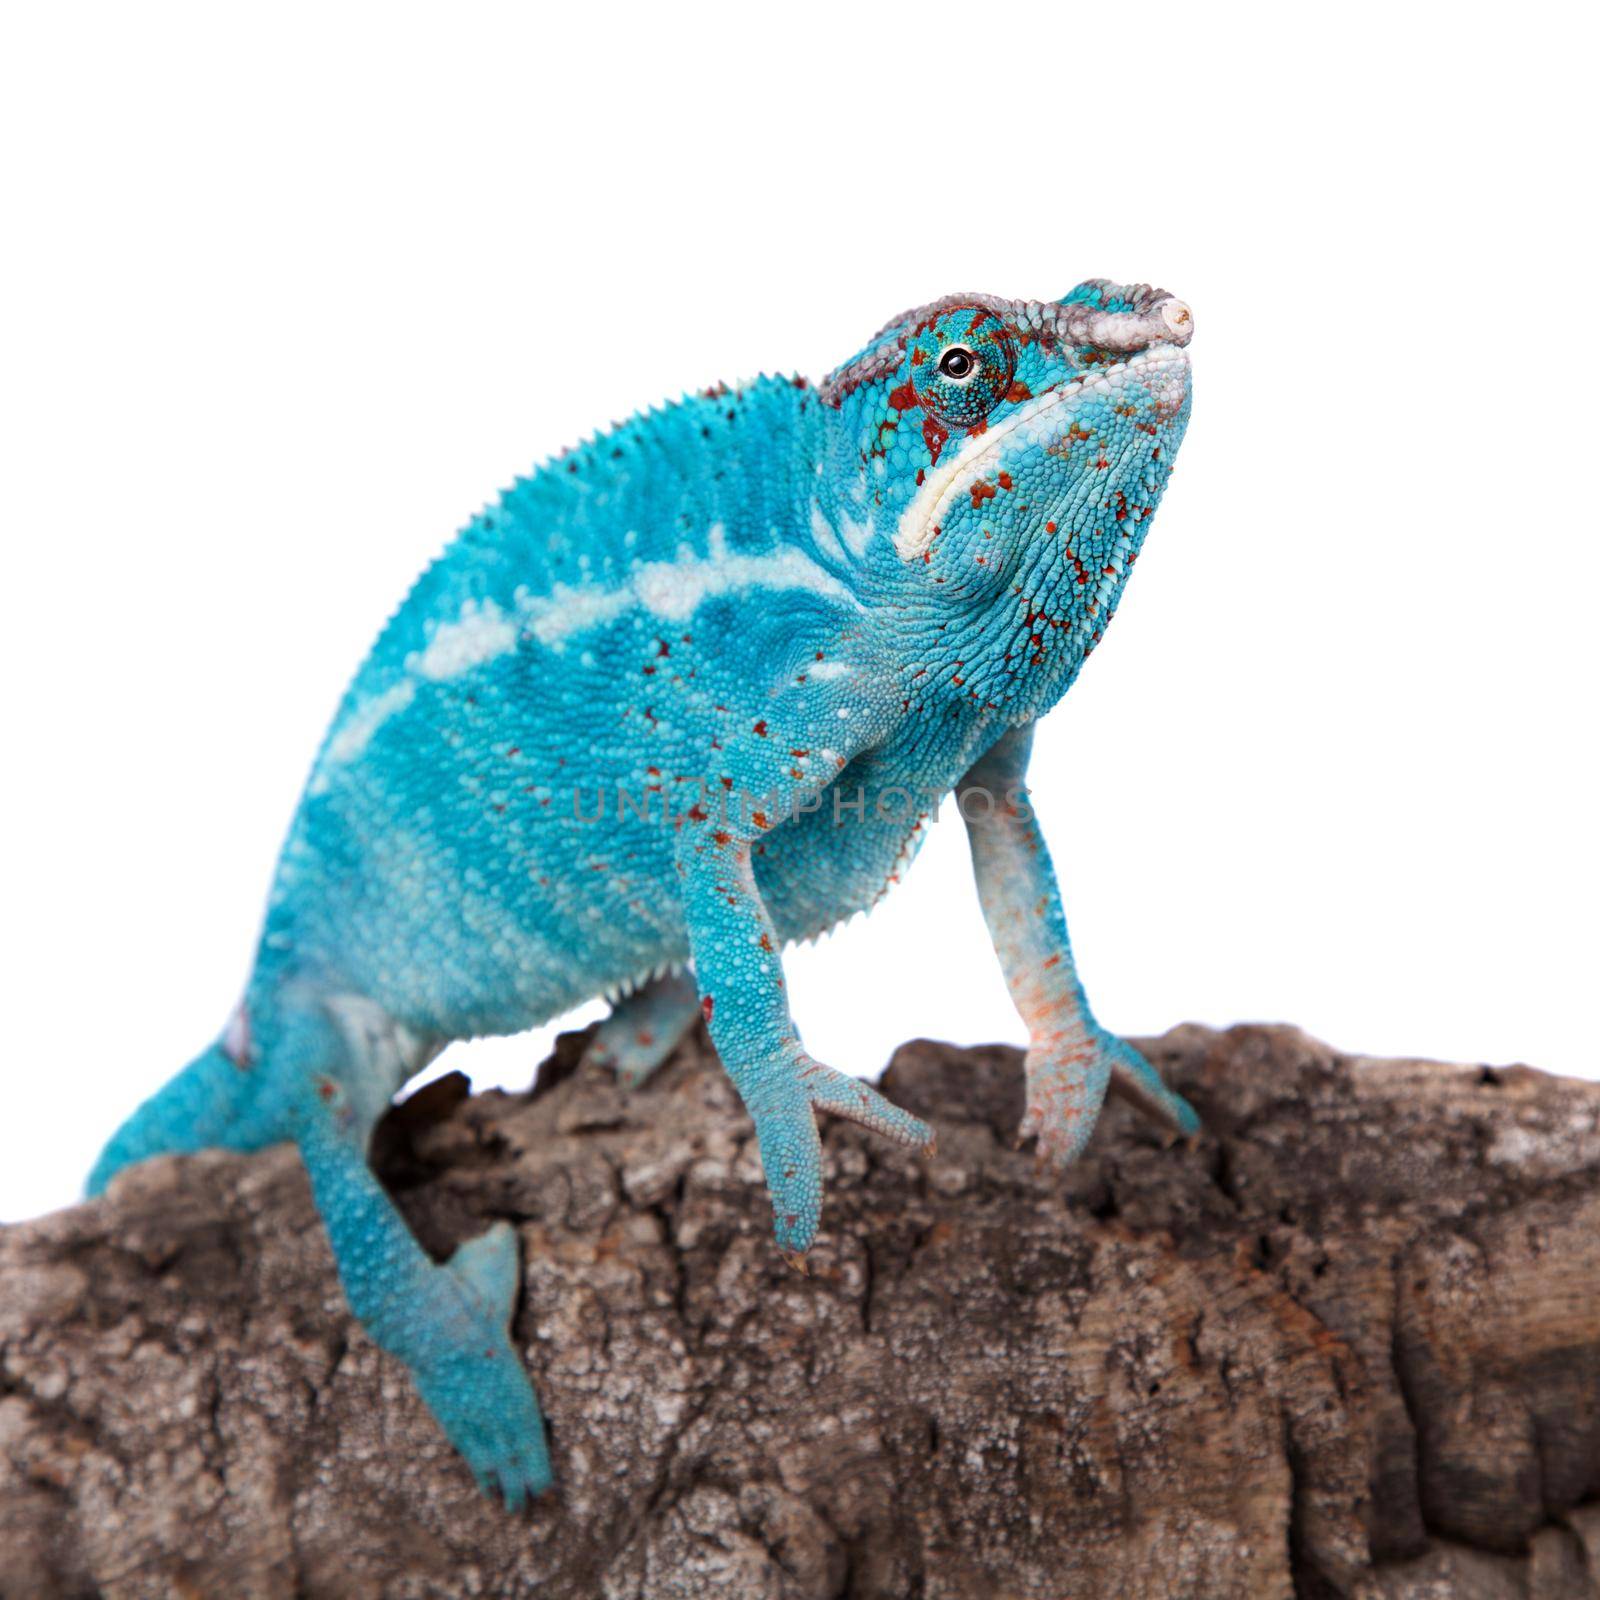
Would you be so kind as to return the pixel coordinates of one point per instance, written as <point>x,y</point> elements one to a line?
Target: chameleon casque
<point>685,694</point>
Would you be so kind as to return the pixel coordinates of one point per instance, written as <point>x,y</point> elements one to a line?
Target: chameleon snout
<point>1156,318</point>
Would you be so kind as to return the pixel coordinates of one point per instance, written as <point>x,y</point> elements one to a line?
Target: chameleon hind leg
<point>449,1323</point>
<point>644,1028</point>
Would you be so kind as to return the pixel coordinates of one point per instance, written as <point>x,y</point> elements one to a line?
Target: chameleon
<point>688,693</point>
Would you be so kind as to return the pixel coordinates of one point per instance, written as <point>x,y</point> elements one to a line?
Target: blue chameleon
<point>685,694</point>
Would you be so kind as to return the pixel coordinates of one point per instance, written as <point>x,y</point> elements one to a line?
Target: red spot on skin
<point>697,812</point>
<point>800,752</point>
<point>325,1090</point>
<point>513,752</point>
<point>982,490</point>
<point>920,475</point>
<point>644,1037</point>
<point>766,943</point>
<point>1052,961</point>
<point>707,1004</point>
<point>1005,480</point>
<point>649,672</point>
<point>904,398</point>
<point>664,648</point>
<point>1019,391</point>
<point>935,435</point>
<point>721,836</point>
<point>761,728</point>
<point>759,818</point>
<point>1049,527</point>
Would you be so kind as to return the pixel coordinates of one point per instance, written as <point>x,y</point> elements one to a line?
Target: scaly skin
<point>684,695</point>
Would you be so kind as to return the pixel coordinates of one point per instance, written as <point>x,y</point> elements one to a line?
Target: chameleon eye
<point>958,363</point>
<point>962,363</point>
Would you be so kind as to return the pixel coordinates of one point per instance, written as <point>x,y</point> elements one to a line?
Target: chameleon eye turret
<point>685,695</point>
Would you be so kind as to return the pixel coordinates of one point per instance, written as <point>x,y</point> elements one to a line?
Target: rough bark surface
<point>1345,1343</point>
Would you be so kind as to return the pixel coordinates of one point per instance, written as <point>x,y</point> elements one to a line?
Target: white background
<point>286,295</point>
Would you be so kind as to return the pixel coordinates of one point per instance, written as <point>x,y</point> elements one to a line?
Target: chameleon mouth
<point>1162,368</point>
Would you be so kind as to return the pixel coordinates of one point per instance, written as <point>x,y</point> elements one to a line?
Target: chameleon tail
<point>211,1104</point>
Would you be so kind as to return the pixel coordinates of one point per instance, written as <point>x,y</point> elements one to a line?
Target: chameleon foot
<point>474,1384</point>
<point>1067,1082</point>
<point>791,1151</point>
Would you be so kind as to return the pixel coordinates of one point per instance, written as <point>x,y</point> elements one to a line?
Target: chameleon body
<point>685,694</point>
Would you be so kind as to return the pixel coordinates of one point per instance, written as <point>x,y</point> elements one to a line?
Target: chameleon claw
<point>795,1259</point>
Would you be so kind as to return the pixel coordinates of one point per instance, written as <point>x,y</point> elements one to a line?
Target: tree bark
<point>1346,1343</point>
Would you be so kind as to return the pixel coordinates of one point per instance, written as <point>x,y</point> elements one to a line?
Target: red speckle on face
<point>1005,480</point>
<point>920,475</point>
<point>721,836</point>
<point>905,397</point>
<point>766,943</point>
<point>759,818</point>
<point>761,728</point>
<point>325,1089</point>
<point>935,435</point>
<point>1019,391</point>
<point>1049,527</point>
<point>707,1005</point>
<point>982,490</point>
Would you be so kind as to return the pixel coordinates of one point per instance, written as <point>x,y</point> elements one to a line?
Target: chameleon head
<point>1014,453</point>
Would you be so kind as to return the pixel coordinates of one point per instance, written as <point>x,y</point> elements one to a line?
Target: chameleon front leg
<point>1071,1059</point>
<point>644,1028</point>
<point>742,997</point>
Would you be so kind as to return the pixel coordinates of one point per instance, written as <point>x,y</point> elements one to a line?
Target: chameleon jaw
<point>921,520</point>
